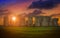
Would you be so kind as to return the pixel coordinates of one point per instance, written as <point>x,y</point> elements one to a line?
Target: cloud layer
<point>47,4</point>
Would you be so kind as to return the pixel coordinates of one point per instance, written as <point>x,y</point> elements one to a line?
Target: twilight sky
<point>20,7</point>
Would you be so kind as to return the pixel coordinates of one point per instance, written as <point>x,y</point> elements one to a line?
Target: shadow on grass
<point>6,34</point>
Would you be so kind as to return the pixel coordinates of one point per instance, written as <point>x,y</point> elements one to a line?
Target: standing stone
<point>6,20</point>
<point>46,21</point>
<point>30,21</point>
<point>55,21</point>
<point>38,21</point>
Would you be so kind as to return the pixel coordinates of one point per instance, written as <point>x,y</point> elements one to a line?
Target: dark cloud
<point>4,12</point>
<point>35,12</point>
<point>47,4</point>
<point>43,4</point>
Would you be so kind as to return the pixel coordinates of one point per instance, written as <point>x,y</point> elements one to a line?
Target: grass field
<point>30,32</point>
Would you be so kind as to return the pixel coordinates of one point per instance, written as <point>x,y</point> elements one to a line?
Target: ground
<point>29,32</point>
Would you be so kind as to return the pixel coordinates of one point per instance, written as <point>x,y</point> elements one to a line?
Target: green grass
<point>30,32</point>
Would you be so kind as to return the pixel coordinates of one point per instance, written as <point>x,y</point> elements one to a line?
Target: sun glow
<point>14,18</point>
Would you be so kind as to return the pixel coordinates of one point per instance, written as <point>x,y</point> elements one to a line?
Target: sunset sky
<point>21,6</point>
